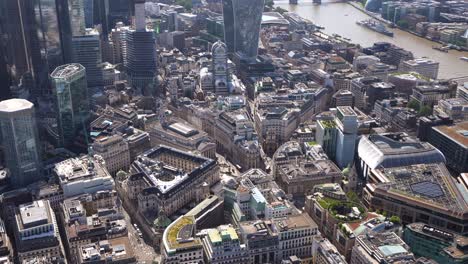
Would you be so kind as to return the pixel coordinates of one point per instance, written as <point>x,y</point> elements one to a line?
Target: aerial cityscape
<point>233,131</point>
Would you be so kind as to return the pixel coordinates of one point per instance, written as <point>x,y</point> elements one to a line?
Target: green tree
<point>414,105</point>
<point>403,23</point>
<point>269,4</point>
<point>395,219</point>
<point>425,111</point>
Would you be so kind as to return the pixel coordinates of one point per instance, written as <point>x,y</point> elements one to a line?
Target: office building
<point>222,245</point>
<point>430,95</point>
<point>27,50</point>
<point>36,232</point>
<point>325,252</point>
<point>453,142</point>
<point>83,175</point>
<point>419,193</point>
<point>394,150</point>
<point>77,17</point>
<point>426,67</point>
<point>141,56</point>
<point>262,241</point>
<point>115,152</point>
<point>180,245</point>
<point>347,126</point>
<point>342,98</point>
<point>165,179</point>
<point>242,20</point>
<point>297,169</point>
<point>454,108</point>
<point>386,248</point>
<point>436,244</point>
<point>180,135</point>
<point>71,100</point>
<point>87,52</point>
<point>236,139</point>
<point>6,247</point>
<point>20,141</point>
<point>296,233</point>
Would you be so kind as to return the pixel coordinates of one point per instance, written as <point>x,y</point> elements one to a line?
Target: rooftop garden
<point>327,123</point>
<point>173,233</point>
<point>343,210</point>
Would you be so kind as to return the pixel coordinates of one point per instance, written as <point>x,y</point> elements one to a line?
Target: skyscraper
<point>71,99</point>
<point>38,38</point>
<point>20,141</point>
<point>87,51</point>
<point>347,127</point>
<point>242,19</point>
<point>141,53</point>
<point>77,17</point>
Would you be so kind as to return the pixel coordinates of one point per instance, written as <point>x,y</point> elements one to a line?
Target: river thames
<point>340,18</point>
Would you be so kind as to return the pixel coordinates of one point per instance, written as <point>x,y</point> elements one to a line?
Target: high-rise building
<point>141,57</point>
<point>347,126</point>
<point>72,102</point>
<point>242,20</point>
<point>20,141</point>
<point>77,17</point>
<point>38,38</point>
<point>87,52</point>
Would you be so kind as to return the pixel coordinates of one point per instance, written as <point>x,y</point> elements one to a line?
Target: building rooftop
<point>457,132</point>
<point>385,247</point>
<point>34,214</point>
<point>456,242</point>
<point>76,169</point>
<point>429,185</point>
<point>394,150</point>
<point>15,105</point>
<point>292,222</point>
<point>67,70</point>
<point>180,235</point>
<point>164,176</point>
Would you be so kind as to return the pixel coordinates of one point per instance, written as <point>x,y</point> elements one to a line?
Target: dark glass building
<point>37,38</point>
<point>242,20</point>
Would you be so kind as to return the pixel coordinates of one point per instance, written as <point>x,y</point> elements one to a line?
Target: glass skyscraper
<point>38,38</point>
<point>20,141</point>
<point>71,99</point>
<point>242,20</point>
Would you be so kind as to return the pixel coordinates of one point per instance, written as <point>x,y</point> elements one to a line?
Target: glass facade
<point>38,38</point>
<point>20,141</point>
<point>141,67</point>
<point>242,20</point>
<point>72,102</point>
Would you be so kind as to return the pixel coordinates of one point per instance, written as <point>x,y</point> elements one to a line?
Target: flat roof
<point>14,105</point>
<point>457,132</point>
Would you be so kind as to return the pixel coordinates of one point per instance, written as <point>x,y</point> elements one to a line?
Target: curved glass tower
<point>242,20</point>
<point>373,5</point>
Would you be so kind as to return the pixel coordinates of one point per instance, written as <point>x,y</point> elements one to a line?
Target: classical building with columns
<point>164,179</point>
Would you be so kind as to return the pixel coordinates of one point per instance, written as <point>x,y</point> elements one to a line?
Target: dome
<point>219,48</point>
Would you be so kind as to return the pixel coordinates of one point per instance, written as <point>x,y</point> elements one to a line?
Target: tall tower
<point>71,100</point>
<point>38,38</point>
<point>141,54</point>
<point>77,17</point>
<point>87,51</point>
<point>220,68</point>
<point>20,141</point>
<point>242,20</point>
